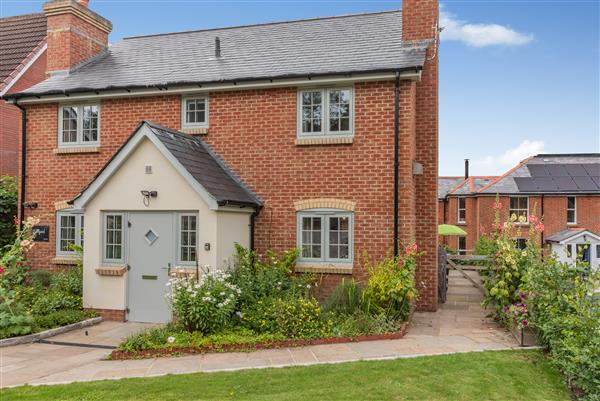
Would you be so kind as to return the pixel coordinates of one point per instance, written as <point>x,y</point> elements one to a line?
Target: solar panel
<point>545,184</point>
<point>537,170</point>
<point>576,170</point>
<point>565,184</point>
<point>593,170</point>
<point>596,180</point>
<point>586,184</point>
<point>525,184</point>
<point>557,170</point>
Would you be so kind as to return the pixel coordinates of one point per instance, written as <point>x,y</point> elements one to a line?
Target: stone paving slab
<point>460,325</point>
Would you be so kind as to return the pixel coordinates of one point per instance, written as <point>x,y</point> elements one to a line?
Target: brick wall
<point>10,118</point>
<point>419,21</point>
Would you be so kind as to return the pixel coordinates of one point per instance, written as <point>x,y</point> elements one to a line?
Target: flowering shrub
<point>390,288</point>
<point>517,314</point>
<point>205,305</point>
<point>502,277</point>
<point>272,277</point>
<point>298,317</point>
<point>14,319</point>
<point>8,209</point>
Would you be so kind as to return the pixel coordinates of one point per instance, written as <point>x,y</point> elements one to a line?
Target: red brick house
<point>318,133</point>
<point>562,188</point>
<point>22,64</point>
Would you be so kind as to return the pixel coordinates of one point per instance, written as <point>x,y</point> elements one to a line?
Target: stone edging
<point>29,338</point>
<point>291,343</point>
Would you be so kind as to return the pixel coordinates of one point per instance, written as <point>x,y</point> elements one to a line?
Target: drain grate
<point>70,344</point>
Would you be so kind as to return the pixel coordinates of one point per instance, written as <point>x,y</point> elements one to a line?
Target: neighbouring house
<point>564,189</point>
<point>163,151</point>
<point>574,245</point>
<point>22,64</point>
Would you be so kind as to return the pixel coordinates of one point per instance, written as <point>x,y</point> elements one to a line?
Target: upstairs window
<point>519,206</point>
<point>195,112</point>
<point>325,112</point>
<point>79,125</point>
<point>69,232</point>
<point>571,210</point>
<point>462,210</point>
<point>325,236</point>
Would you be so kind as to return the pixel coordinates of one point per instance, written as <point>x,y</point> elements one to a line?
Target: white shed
<point>575,244</point>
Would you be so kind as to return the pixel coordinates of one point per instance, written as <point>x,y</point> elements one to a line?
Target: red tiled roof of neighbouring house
<point>19,37</point>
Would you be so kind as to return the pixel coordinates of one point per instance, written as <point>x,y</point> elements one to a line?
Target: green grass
<point>499,375</point>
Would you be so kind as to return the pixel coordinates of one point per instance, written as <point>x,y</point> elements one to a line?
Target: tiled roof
<point>205,166</point>
<point>446,184</point>
<point>566,234</point>
<point>19,36</point>
<point>358,43</point>
<point>461,186</point>
<point>550,173</point>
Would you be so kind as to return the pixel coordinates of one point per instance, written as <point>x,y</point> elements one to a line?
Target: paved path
<point>459,326</point>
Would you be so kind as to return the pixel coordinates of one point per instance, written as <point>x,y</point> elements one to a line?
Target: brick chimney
<point>75,34</point>
<point>419,19</point>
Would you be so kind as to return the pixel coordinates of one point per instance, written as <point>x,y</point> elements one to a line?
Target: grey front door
<point>151,251</point>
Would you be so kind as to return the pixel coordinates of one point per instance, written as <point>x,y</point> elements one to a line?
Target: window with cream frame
<point>79,125</point>
<point>519,206</point>
<point>113,237</point>
<point>187,238</point>
<point>194,111</point>
<point>325,236</point>
<point>325,112</point>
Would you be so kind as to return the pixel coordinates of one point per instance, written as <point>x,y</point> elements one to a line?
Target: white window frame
<point>184,101</point>
<point>325,132</point>
<point>78,231</point>
<point>179,261</point>
<point>459,209</point>
<point>79,142</point>
<point>574,209</point>
<point>123,236</point>
<point>325,214</point>
<point>459,250</point>
<point>515,211</point>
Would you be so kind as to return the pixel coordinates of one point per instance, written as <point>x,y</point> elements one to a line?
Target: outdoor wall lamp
<point>30,205</point>
<point>147,195</point>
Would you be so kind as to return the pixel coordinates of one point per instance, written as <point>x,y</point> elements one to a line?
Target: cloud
<point>480,35</point>
<point>498,164</point>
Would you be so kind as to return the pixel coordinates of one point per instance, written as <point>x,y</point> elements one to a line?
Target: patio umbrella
<point>449,229</point>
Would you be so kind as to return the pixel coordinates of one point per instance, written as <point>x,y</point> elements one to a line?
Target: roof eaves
<point>14,76</point>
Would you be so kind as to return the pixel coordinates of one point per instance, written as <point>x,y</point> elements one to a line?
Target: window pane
<point>570,216</point>
<point>339,110</point>
<point>69,128</point>
<point>311,111</point>
<point>114,237</point>
<point>571,202</point>
<point>195,111</point>
<point>187,239</point>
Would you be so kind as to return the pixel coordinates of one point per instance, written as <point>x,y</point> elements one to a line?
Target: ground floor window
<point>113,237</point>
<point>521,243</point>
<point>461,249</point>
<point>188,229</point>
<point>325,236</point>
<point>69,232</point>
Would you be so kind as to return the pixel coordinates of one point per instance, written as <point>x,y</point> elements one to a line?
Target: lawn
<point>495,375</point>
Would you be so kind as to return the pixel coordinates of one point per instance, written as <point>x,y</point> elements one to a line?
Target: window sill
<point>329,140</point>
<point>111,270</point>
<point>195,130</point>
<point>77,149</point>
<point>65,260</point>
<point>323,267</point>
<point>461,223</point>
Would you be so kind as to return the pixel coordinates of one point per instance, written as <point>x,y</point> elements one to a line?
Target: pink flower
<point>540,227</point>
<point>497,206</point>
<point>1,270</point>
<point>533,219</point>
<point>25,243</point>
<point>482,229</point>
<point>18,264</point>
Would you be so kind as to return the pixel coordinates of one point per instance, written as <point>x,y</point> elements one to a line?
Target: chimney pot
<point>466,168</point>
<point>84,3</point>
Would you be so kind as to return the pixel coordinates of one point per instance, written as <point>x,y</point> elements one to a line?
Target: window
<point>519,206</point>
<point>583,253</point>
<point>569,250</point>
<point>461,249</point>
<point>69,232</point>
<point>324,112</point>
<point>79,125</point>
<point>325,236</point>
<point>571,210</point>
<point>188,229</point>
<point>113,237</point>
<point>521,243</point>
<point>195,112</point>
<point>462,210</point>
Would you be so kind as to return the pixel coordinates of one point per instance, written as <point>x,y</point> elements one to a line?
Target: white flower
<point>240,314</point>
<point>197,286</point>
<point>171,340</point>
<point>231,295</point>
<point>222,293</point>
<point>308,286</point>
<point>220,305</point>
<point>168,284</point>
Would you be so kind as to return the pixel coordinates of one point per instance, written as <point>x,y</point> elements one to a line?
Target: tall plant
<point>8,210</point>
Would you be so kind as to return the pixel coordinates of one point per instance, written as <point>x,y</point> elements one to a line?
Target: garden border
<point>29,338</point>
<point>289,343</point>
